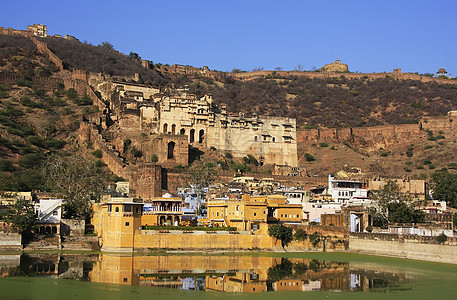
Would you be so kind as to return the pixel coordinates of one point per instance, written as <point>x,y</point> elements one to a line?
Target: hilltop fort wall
<point>376,137</point>
<point>395,74</point>
<point>51,83</point>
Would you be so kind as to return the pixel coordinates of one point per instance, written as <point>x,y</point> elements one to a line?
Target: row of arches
<point>182,131</point>
<point>48,229</point>
<point>169,220</point>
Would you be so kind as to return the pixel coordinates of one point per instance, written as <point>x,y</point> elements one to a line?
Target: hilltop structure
<point>336,66</point>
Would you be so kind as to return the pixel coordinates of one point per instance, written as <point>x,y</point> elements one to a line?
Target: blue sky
<point>370,36</point>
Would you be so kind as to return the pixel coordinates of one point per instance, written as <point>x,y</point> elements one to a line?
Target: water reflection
<point>210,273</point>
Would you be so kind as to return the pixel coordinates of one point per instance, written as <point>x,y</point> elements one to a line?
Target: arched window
<point>165,128</point>
<point>200,135</point>
<point>182,131</point>
<point>192,136</point>
<point>171,149</point>
<point>274,139</point>
<point>255,139</point>
<point>173,129</point>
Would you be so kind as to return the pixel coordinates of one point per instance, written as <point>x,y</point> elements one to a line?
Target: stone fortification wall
<point>188,70</point>
<point>435,124</point>
<point>12,31</point>
<point>89,133</point>
<point>43,48</point>
<point>51,83</point>
<point>411,247</point>
<point>376,137</point>
<point>371,137</point>
<point>370,76</point>
<point>145,178</point>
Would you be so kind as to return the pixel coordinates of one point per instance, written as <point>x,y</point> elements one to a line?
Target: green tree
<point>300,235</point>
<point>201,176</point>
<point>253,160</point>
<point>381,198</point>
<point>281,233</point>
<point>309,157</point>
<point>106,45</point>
<point>442,238</point>
<point>21,216</point>
<point>71,93</point>
<point>444,187</point>
<point>134,56</point>
<point>77,181</point>
<point>278,272</point>
<point>400,212</point>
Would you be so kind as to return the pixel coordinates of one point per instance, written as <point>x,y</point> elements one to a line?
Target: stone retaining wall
<point>404,247</point>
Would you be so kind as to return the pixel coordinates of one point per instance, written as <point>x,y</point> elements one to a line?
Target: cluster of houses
<point>247,205</point>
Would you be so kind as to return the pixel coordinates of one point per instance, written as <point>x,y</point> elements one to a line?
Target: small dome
<point>441,71</point>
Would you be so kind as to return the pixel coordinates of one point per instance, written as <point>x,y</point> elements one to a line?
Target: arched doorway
<point>171,149</point>
<point>192,136</point>
<point>182,131</point>
<point>173,129</point>
<point>165,128</point>
<point>162,220</point>
<point>200,136</point>
<point>176,221</point>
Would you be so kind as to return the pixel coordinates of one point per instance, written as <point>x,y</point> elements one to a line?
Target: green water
<point>330,276</point>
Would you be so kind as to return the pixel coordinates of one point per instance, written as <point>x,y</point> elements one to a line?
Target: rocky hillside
<point>327,102</point>
<point>35,124</point>
<point>338,102</point>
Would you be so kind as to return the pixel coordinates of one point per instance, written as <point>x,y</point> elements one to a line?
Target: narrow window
<point>200,136</point>
<point>192,136</point>
<point>171,148</point>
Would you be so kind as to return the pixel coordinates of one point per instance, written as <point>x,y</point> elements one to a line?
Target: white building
<point>314,211</point>
<point>294,196</point>
<point>49,215</point>
<point>347,191</point>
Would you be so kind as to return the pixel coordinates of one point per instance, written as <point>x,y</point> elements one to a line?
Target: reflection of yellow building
<point>246,274</point>
<point>253,212</point>
<point>239,283</point>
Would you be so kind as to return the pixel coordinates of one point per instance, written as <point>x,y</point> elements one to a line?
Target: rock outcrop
<point>336,66</point>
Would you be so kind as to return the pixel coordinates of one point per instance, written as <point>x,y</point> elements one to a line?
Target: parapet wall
<point>43,48</point>
<point>51,83</point>
<point>376,137</point>
<point>245,76</point>
<point>411,247</point>
<point>89,133</point>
